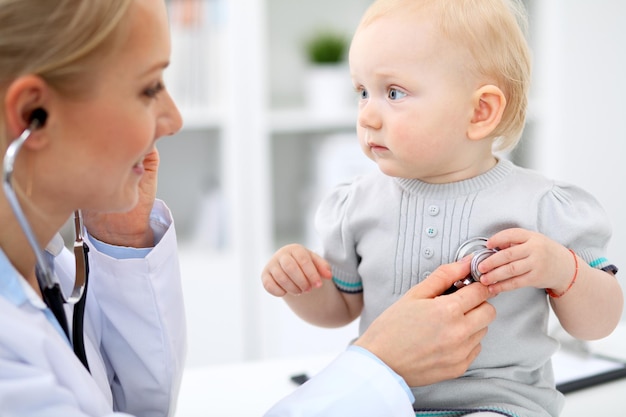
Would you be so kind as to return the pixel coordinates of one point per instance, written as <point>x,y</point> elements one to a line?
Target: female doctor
<point>83,103</point>
<point>82,107</point>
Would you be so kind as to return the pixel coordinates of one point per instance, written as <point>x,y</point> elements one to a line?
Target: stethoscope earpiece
<point>38,117</point>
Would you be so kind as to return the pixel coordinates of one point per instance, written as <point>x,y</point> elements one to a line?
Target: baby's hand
<point>294,270</point>
<point>526,259</point>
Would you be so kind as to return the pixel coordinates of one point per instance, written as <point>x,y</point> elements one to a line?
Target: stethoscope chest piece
<point>477,247</point>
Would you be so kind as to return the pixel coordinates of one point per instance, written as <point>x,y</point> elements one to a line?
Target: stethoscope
<point>477,247</point>
<point>48,282</point>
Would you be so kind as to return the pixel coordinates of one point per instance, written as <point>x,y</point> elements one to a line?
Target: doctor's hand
<point>427,338</point>
<point>132,228</point>
<point>294,270</point>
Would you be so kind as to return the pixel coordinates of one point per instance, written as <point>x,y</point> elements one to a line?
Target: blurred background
<point>263,141</point>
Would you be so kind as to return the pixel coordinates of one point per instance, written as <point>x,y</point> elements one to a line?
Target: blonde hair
<point>62,41</point>
<point>493,31</point>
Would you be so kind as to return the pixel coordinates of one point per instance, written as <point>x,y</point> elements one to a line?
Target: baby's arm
<point>588,301</point>
<point>304,280</point>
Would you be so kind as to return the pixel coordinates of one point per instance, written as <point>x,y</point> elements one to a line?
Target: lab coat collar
<point>15,289</point>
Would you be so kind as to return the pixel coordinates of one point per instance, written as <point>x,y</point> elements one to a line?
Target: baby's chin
<point>392,170</point>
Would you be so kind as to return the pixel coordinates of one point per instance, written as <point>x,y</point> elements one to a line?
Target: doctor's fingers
<point>479,318</point>
<point>448,361</point>
<point>469,297</point>
<point>469,353</point>
<point>458,355</point>
<point>441,279</point>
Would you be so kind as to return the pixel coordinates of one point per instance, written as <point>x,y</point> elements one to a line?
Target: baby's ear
<point>489,104</point>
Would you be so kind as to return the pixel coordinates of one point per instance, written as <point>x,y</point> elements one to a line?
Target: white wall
<point>580,62</point>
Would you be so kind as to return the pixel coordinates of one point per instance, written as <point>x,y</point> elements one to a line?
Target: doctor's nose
<point>169,119</point>
<point>369,116</point>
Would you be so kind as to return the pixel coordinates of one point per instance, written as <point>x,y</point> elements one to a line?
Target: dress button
<point>428,253</point>
<point>433,210</point>
<point>426,274</point>
<point>431,231</point>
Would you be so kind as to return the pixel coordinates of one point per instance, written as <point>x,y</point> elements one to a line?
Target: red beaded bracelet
<point>555,295</point>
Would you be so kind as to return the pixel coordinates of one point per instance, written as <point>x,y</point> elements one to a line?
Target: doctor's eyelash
<point>154,91</point>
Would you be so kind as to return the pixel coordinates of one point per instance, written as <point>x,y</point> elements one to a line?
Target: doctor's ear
<point>25,107</point>
<point>489,104</point>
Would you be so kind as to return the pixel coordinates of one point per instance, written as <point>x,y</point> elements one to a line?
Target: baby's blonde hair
<point>62,41</point>
<point>493,31</point>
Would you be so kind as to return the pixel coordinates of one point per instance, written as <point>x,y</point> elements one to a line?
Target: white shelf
<point>296,120</point>
<point>301,120</point>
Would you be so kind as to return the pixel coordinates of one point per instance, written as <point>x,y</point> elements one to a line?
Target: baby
<point>442,87</point>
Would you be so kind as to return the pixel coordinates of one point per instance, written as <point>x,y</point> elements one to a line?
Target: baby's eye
<point>363,94</point>
<point>396,94</point>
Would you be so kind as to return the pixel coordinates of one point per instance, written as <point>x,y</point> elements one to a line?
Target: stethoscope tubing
<point>49,285</point>
<point>46,280</point>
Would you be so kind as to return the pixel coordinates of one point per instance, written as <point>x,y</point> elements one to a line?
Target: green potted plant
<point>326,47</point>
<point>327,81</point>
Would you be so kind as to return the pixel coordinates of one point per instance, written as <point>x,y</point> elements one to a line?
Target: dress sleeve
<point>354,384</point>
<point>337,238</point>
<point>140,325</point>
<point>576,219</point>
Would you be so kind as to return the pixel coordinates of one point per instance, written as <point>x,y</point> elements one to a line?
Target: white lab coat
<point>135,339</point>
<point>354,384</point>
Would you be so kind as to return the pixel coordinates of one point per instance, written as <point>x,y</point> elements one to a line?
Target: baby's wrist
<point>560,292</point>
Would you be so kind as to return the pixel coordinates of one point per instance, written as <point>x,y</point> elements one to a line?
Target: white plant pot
<point>328,90</point>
